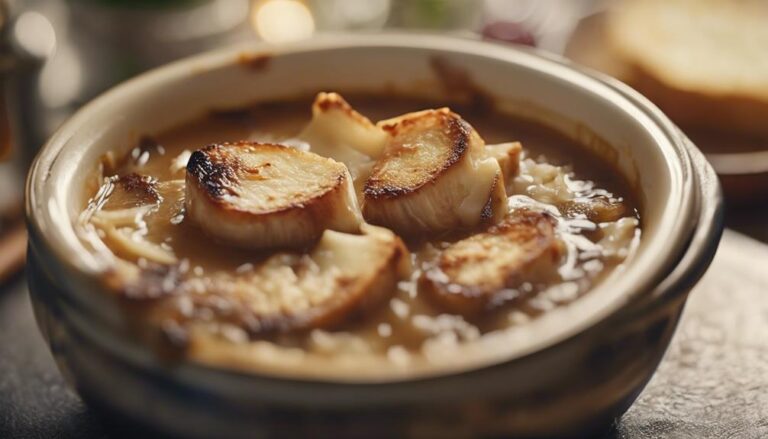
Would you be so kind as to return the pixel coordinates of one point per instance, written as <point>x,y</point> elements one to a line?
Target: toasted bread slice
<point>486,269</point>
<point>432,176</point>
<point>262,196</point>
<point>335,124</point>
<point>342,277</point>
<point>704,62</point>
<point>341,133</point>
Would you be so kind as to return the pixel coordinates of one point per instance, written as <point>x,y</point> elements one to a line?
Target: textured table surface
<point>713,382</point>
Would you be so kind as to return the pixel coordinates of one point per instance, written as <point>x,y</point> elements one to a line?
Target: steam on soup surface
<point>274,235</point>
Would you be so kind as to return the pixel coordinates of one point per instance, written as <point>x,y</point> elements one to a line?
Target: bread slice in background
<point>704,62</point>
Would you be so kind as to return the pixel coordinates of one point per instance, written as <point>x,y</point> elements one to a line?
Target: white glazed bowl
<point>573,369</point>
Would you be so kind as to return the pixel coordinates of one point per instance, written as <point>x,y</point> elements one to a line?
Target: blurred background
<point>705,62</point>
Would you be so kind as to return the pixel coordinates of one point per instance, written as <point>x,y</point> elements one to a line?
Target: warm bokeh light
<point>280,21</point>
<point>35,35</point>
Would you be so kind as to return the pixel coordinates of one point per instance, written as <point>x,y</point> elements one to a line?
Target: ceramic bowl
<point>572,372</point>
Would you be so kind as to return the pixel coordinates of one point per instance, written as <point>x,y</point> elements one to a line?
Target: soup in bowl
<point>388,230</point>
<point>265,232</point>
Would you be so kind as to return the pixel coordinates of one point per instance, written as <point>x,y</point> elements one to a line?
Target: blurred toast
<point>703,62</point>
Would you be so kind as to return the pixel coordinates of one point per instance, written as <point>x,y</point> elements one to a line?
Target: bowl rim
<point>677,224</point>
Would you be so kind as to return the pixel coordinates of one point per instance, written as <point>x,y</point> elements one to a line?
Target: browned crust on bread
<point>216,178</point>
<point>325,102</point>
<point>532,230</point>
<point>459,133</point>
<point>497,197</point>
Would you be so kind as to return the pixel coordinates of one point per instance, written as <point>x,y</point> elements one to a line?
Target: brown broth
<point>408,320</point>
